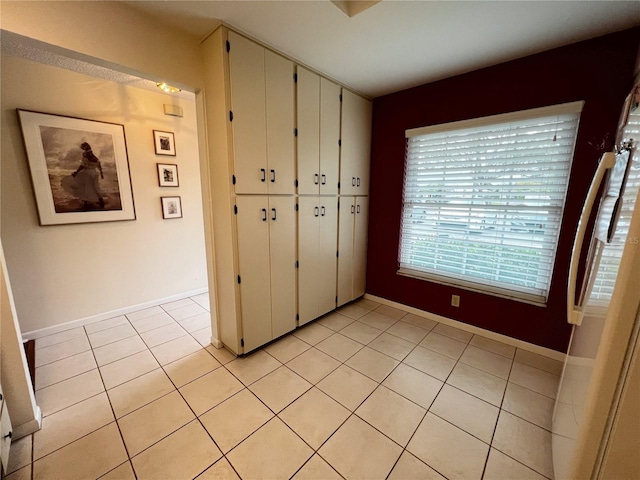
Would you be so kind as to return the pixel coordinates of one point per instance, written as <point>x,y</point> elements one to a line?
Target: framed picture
<point>79,169</point>
<point>168,175</point>
<point>165,143</point>
<point>171,207</point>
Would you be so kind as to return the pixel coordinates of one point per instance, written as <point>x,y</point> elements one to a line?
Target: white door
<point>308,109</point>
<point>282,241</point>
<point>254,268</point>
<point>249,125</point>
<point>346,223</point>
<point>356,144</point>
<point>309,261</point>
<point>280,98</point>
<point>327,255</point>
<point>329,137</point>
<point>360,246</point>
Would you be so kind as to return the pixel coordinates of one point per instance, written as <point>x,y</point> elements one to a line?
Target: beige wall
<point>109,31</point>
<point>68,272</point>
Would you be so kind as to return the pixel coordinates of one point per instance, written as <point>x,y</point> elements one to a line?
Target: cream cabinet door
<point>360,246</point>
<point>254,268</point>
<point>280,99</point>
<point>282,241</point>
<point>5,436</point>
<point>249,125</point>
<point>329,137</point>
<point>308,258</point>
<point>308,124</point>
<point>346,223</point>
<point>356,144</point>
<point>327,255</point>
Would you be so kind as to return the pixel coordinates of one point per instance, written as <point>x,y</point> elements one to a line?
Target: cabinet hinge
<point>340,142</point>
<point>336,299</point>
<point>297,316</point>
<point>239,279</point>
<point>233,179</point>
<point>337,253</point>
<point>297,264</point>
<point>235,209</point>
<point>295,132</point>
<point>228,46</point>
<point>242,342</point>
<point>338,184</point>
<point>230,116</point>
<point>296,184</point>
<point>341,97</point>
<point>295,78</point>
<point>338,204</point>
<point>297,207</point>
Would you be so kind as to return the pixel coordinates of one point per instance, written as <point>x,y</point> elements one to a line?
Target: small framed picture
<point>168,175</point>
<point>171,207</point>
<point>165,143</point>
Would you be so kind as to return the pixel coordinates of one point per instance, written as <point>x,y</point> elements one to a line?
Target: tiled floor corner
<point>368,391</point>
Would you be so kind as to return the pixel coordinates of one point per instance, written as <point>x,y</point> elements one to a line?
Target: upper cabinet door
<point>356,144</point>
<point>329,136</point>
<point>308,88</point>
<point>280,99</point>
<point>249,125</point>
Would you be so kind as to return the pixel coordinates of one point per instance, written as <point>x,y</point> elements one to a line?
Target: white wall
<point>63,273</point>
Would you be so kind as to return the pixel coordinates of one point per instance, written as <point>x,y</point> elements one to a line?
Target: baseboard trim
<point>216,343</point>
<point>81,322</point>
<point>514,342</point>
<point>29,427</point>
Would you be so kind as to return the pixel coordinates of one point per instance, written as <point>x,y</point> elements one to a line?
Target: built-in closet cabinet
<point>280,138</point>
<point>267,272</point>
<point>262,114</point>
<point>318,129</point>
<point>317,251</point>
<point>352,247</point>
<point>356,144</point>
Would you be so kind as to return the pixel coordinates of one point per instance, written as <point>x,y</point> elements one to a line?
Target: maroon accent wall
<point>598,71</point>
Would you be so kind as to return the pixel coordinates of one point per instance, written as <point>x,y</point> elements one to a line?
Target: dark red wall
<point>598,71</point>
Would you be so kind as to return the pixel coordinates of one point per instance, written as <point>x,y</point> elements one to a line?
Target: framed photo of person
<point>79,169</point>
<point>165,143</point>
<point>168,175</point>
<point>171,207</point>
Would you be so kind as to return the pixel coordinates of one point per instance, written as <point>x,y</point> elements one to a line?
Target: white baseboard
<point>43,332</point>
<point>28,428</point>
<point>216,343</point>
<point>514,342</point>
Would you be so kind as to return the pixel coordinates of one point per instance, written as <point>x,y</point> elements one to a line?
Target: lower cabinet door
<point>327,255</point>
<point>282,248</point>
<point>346,223</point>
<point>308,244</point>
<point>5,436</point>
<point>255,278</point>
<point>360,246</point>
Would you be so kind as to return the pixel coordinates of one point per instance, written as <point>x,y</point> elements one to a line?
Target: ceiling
<point>399,44</point>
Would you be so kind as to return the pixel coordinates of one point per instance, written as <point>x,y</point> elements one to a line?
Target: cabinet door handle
<point>323,211</point>
<point>353,181</point>
<point>264,214</point>
<point>274,214</point>
<point>273,176</point>
<point>358,182</point>
<point>8,435</point>
<point>324,179</point>
<point>316,211</point>
<point>358,209</point>
<point>353,209</point>
<point>315,179</point>
<point>264,175</point>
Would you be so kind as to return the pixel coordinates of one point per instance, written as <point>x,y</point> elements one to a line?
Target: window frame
<point>477,284</point>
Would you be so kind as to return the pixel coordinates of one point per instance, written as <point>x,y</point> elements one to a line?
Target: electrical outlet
<point>455,300</point>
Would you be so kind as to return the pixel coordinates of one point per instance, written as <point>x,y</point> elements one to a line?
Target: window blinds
<point>483,200</point>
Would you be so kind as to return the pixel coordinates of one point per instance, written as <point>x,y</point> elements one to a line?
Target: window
<point>483,200</point>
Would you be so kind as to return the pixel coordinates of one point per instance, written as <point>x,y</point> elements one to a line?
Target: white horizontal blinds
<point>483,204</point>
<point>608,270</point>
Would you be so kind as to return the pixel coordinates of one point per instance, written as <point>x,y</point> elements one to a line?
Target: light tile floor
<point>368,391</point>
